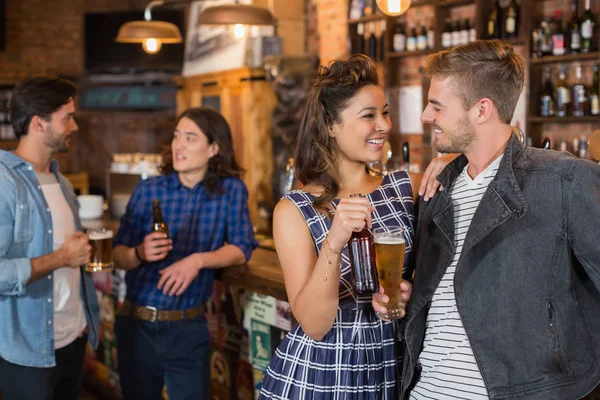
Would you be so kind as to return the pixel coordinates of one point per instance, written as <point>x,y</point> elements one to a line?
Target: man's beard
<point>461,138</point>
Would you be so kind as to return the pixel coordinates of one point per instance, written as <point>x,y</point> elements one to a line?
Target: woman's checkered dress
<point>358,357</point>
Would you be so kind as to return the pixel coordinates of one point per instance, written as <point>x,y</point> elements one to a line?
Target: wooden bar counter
<point>261,275</point>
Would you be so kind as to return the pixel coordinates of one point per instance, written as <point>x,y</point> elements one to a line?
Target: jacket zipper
<point>555,340</point>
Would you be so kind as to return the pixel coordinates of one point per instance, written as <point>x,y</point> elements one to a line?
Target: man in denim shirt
<point>162,335</point>
<point>48,304</point>
<point>506,291</point>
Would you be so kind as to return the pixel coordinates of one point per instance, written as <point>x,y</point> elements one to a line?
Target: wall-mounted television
<point>104,55</point>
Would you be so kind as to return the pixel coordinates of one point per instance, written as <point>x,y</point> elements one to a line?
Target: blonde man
<point>506,291</point>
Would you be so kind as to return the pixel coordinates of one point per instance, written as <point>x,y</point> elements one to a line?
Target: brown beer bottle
<point>361,251</point>
<point>159,223</point>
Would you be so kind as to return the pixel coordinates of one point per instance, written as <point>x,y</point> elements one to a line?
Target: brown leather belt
<point>149,313</point>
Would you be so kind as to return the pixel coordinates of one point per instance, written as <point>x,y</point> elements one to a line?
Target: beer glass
<point>390,246</point>
<point>101,242</point>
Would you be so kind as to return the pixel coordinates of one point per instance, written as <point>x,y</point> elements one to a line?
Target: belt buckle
<point>154,313</point>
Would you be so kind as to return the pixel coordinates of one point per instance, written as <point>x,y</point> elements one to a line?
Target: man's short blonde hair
<point>482,69</point>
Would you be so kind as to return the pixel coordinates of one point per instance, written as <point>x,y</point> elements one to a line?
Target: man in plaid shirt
<point>162,335</point>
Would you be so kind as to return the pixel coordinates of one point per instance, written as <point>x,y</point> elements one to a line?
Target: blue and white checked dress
<point>358,357</point>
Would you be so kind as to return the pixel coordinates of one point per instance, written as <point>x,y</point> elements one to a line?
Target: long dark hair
<point>216,129</point>
<point>316,151</point>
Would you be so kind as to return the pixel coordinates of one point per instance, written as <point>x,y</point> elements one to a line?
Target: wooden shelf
<point>455,3</point>
<point>565,120</point>
<point>368,18</point>
<point>423,3</point>
<point>566,58</point>
<point>8,144</point>
<point>404,54</point>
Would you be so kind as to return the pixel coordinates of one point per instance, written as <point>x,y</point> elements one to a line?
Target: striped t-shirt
<point>449,369</point>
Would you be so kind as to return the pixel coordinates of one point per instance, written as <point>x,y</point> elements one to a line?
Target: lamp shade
<point>230,14</point>
<point>139,31</point>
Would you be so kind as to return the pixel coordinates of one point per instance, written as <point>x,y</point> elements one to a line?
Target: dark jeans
<point>152,354</point>
<point>61,382</point>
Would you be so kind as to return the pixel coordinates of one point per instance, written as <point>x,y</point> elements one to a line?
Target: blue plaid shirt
<point>198,222</point>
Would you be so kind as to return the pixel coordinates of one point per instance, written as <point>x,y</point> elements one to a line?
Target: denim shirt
<point>27,310</point>
<point>527,283</point>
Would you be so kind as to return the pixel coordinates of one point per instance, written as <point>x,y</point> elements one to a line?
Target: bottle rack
<point>394,64</point>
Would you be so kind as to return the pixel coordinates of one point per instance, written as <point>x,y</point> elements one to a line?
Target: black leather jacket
<point>528,280</point>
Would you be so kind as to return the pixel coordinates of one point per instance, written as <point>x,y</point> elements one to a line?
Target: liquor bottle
<point>399,37</point>
<point>546,38</point>
<point>360,31</point>
<point>464,32</point>
<point>575,29</point>
<point>582,152</point>
<point>547,103</point>
<point>411,40</point>
<point>493,26</point>
<point>447,34</point>
<point>361,251</point>
<point>381,41</point>
<point>580,99</point>
<point>558,37</point>
<point>595,92</point>
<point>422,38</point>
<point>588,20</point>
<point>511,21</point>
<point>430,37</point>
<point>563,146</point>
<point>456,27</point>
<point>159,224</point>
<point>536,42</point>
<point>372,41</point>
<point>563,95</point>
<point>472,32</point>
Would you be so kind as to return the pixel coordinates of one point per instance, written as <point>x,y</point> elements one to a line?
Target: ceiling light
<point>153,34</point>
<point>393,7</point>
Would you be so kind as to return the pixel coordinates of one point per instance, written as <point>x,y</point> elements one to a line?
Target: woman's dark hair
<point>40,96</point>
<point>216,129</point>
<point>316,151</point>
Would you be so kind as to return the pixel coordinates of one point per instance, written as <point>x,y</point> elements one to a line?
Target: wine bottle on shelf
<point>582,152</point>
<point>447,34</point>
<point>360,31</point>
<point>464,32</point>
<point>381,41</point>
<point>588,20</point>
<point>399,42</point>
<point>580,96</point>
<point>372,41</point>
<point>493,25</point>
<point>558,38</point>
<point>547,102</point>
<point>595,92</point>
<point>472,32</point>
<point>536,42</point>
<point>422,38</point>
<point>511,21</point>
<point>575,29</point>
<point>563,95</point>
<point>411,40</point>
<point>547,44</point>
<point>430,37</point>
<point>456,27</point>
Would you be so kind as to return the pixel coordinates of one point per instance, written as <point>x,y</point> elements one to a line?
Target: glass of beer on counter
<point>101,241</point>
<point>390,246</point>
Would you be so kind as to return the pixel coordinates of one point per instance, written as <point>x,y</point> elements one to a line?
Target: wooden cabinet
<point>246,100</point>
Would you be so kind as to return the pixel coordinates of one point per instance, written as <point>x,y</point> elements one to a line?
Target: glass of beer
<point>101,242</point>
<point>390,246</point>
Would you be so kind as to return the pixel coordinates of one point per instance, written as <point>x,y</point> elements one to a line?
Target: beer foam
<point>100,235</point>
<point>389,240</point>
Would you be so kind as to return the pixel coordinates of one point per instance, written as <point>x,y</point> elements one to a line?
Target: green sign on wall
<point>128,97</point>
